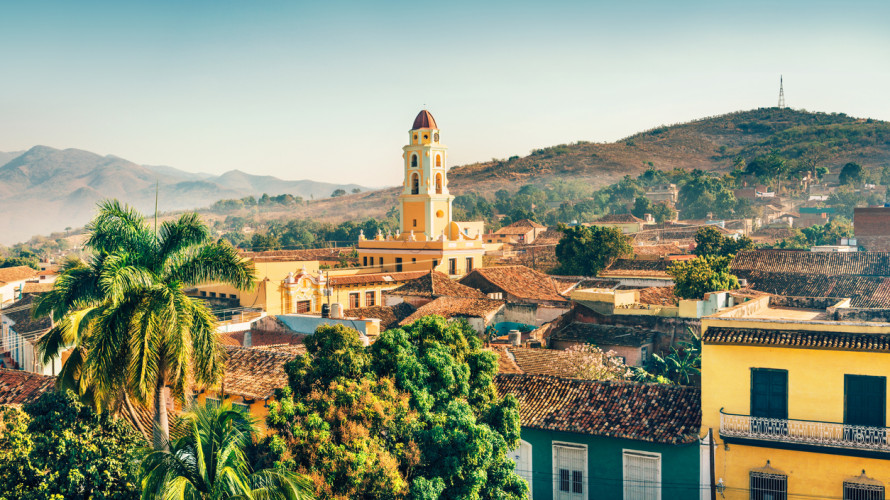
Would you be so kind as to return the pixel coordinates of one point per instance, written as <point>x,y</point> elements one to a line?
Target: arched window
<point>438,160</point>
<point>415,184</point>
<point>438,183</point>
<point>413,160</point>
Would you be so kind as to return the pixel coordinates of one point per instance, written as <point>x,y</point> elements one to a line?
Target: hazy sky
<point>328,89</point>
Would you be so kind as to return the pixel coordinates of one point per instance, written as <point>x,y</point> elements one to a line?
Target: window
<point>769,393</point>
<point>415,184</point>
<point>233,296</point>
<point>644,353</point>
<point>354,300</point>
<point>211,402</point>
<point>766,486</point>
<point>203,293</point>
<point>241,407</point>
<point>415,222</point>
<point>452,266</point>
<point>414,160</point>
<point>522,457</point>
<point>469,264</point>
<point>372,261</point>
<point>398,264</point>
<point>438,183</point>
<point>365,261</point>
<point>213,294</point>
<point>435,263</point>
<point>370,299</point>
<point>863,491</point>
<point>569,471</point>
<point>864,400</point>
<point>642,475</point>
<point>303,306</point>
<point>438,160</point>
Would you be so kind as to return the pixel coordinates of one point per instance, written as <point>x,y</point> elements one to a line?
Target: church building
<point>428,238</point>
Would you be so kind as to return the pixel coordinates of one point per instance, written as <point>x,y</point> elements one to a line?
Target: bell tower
<point>425,204</point>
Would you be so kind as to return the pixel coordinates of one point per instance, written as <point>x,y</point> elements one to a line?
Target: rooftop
<point>637,268</point>
<point>518,281</point>
<point>805,262</point>
<point>535,361</point>
<point>254,373</point>
<point>20,313</point>
<point>864,291</point>
<point>646,412</point>
<point>434,284</point>
<point>604,335</point>
<point>451,307</point>
<point>20,387</point>
<point>618,219</point>
<point>389,316</point>
<point>305,255</point>
<point>363,279</point>
<point>424,119</point>
<point>842,341</point>
<point>16,273</point>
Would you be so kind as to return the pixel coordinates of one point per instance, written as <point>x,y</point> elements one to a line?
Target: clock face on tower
<point>436,137</point>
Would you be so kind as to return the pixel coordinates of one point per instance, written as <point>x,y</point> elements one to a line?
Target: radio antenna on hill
<point>781,94</point>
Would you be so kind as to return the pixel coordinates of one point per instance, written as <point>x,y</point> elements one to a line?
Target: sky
<point>328,90</point>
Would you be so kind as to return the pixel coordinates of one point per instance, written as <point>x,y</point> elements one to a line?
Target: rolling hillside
<point>65,184</point>
<point>45,189</point>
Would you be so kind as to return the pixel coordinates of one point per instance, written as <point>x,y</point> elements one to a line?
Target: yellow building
<point>796,393</point>
<point>428,238</point>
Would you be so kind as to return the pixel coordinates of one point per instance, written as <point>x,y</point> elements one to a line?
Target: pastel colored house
<point>586,440</point>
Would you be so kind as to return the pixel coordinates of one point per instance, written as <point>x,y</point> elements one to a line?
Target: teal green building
<point>591,440</point>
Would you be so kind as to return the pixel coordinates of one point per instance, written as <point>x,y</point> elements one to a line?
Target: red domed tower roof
<point>424,120</point>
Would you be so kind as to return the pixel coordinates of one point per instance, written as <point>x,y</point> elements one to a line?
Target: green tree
<point>415,416</point>
<point>264,242</point>
<point>683,365</point>
<point>585,251</point>
<point>338,193</point>
<point>211,462</point>
<point>850,174</point>
<point>642,206</point>
<point>710,241</point>
<point>134,330</point>
<point>57,447</point>
<point>694,278</point>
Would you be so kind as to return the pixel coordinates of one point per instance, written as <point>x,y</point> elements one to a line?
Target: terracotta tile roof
<point>536,361</point>
<point>20,314</point>
<point>295,349</point>
<point>254,373</point>
<point>527,223</point>
<point>309,254</point>
<point>658,413</point>
<point>264,337</point>
<point>235,339</point>
<point>434,284</point>
<point>604,335</point>
<point>618,219</point>
<point>451,307</point>
<point>16,273</point>
<point>548,237</point>
<point>636,267</point>
<point>659,295</point>
<point>389,316</point>
<point>506,363</point>
<point>659,250</point>
<point>805,262</point>
<point>145,420</point>
<point>20,387</point>
<point>511,230</point>
<point>518,281</point>
<point>362,279</point>
<point>424,119</point>
<point>864,291</point>
<point>841,341</point>
<point>33,287</point>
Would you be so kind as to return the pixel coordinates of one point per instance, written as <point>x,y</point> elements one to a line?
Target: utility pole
<point>781,94</point>
<point>712,464</point>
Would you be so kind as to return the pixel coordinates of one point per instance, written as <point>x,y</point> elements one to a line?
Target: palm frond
<point>177,236</point>
<point>212,263</point>
<point>73,289</point>
<point>121,276</point>
<point>120,228</point>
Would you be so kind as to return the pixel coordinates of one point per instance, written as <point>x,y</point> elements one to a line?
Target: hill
<point>710,144</point>
<point>46,189</point>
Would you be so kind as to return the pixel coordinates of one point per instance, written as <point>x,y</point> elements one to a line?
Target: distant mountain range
<point>43,190</point>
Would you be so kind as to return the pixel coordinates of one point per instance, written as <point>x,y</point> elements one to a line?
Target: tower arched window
<point>413,160</point>
<point>438,160</point>
<point>415,184</point>
<point>438,183</point>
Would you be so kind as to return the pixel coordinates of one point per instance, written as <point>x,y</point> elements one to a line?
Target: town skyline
<point>276,92</point>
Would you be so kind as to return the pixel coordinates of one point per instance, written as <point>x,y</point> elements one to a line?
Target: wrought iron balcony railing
<point>804,432</point>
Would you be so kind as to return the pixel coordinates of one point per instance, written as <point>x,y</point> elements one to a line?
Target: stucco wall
<point>679,465</point>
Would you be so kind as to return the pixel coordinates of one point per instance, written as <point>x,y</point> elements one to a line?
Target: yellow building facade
<point>428,237</point>
<point>797,401</point>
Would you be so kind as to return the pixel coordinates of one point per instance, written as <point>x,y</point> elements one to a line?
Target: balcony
<point>806,435</point>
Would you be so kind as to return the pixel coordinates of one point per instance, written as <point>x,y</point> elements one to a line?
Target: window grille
<point>642,476</point>
<point>241,407</point>
<point>570,464</point>
<point>370,299</point>
<point>863,491</point>
<point>766,486</point>
<point>211,402</point>
<point>354,300</point>
<point>303,306</point>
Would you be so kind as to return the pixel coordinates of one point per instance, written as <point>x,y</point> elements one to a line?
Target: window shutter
<point>642,476</point>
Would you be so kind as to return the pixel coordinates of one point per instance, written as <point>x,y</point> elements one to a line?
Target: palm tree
<point>210,463</point>
<point>134,330</point>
